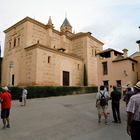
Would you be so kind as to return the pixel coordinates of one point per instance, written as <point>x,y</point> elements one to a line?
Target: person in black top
<point>115,97</point>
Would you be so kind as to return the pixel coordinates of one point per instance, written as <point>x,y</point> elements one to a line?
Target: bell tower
<point>66,27</point>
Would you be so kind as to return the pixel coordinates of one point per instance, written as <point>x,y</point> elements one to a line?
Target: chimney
<point>138,42</point>
<point>139,46</point>
<point>125,53</point>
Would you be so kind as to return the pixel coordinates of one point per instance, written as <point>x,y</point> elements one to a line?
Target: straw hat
<point>137,86</point>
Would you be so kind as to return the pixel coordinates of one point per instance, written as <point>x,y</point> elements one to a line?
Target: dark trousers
<point>135,130</point>
<point>116,111</point>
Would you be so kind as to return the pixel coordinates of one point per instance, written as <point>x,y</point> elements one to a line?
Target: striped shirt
<point>134,106</point>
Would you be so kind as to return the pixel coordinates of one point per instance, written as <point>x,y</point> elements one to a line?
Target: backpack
<point>103,100</point>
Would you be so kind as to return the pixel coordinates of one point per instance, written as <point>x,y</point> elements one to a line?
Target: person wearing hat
<point>133,114</point>
<point>5,99</point>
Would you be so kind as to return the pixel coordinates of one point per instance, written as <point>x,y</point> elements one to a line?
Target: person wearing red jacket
<point>5,99</point>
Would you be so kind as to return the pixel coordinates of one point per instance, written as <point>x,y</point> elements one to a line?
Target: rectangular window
<point>14,42</point>
<point>92,52</point>
<point>133,67</point>
<point>13,79</point>
<point>118,82</point>
<point>49,59</point>
<point>105,69</point>
<point>18,41</point>
<point>119,85</point>
<point>95,52</point>
<point>78,66</point>
<point>9,45</point>
<point>106,84</point>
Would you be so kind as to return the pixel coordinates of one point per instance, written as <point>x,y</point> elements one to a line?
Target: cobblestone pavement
<point>71,117</point>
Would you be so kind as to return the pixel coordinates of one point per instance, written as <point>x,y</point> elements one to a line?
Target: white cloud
<point>115,22</point>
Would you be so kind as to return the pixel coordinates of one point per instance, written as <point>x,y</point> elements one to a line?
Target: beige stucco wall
<point>91,61</point>
<point>86,48</point>
<point>13,55</point>
<point>34,69</point>
<point>25,64</point>
<point>49,37</point>
<point>120,70</point>
<point>51,73</point>
<point>138,67</point>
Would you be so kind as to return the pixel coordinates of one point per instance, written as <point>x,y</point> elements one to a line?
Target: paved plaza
<point>71,117</point>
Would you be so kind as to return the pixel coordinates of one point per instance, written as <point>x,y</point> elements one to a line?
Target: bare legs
<point>6,122</point>
<point>100,111</point>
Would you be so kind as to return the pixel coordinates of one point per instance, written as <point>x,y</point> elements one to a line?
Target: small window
<point>49,59</point>
<point>95,52</point>
<point>133,67</point>
<point>105,69</point>
<point>119,85</point>
<point>13,79</point>
<point>92,52</point>
<point>18,40</point>
<point>106,84</point>
<point>14,42</point>
<point>9,45</point>
<point>78,66</point>
<point>118,82</point>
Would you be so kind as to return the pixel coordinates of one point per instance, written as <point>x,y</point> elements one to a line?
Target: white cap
<point>5,88</point>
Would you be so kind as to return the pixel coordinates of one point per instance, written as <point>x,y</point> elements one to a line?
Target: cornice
<point>123,59</point>
<point>37,23</point>
<point>87,34</point>
<point>73,37</point>
<point>23,21</point>
<point>109,50</point>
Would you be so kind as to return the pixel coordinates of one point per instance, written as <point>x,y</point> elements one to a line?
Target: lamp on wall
<point>125,73</point>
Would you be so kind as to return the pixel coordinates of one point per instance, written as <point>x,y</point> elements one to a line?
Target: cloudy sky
<point>114,22</point>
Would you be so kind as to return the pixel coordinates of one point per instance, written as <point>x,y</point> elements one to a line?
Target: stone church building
<point>37,54</point>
